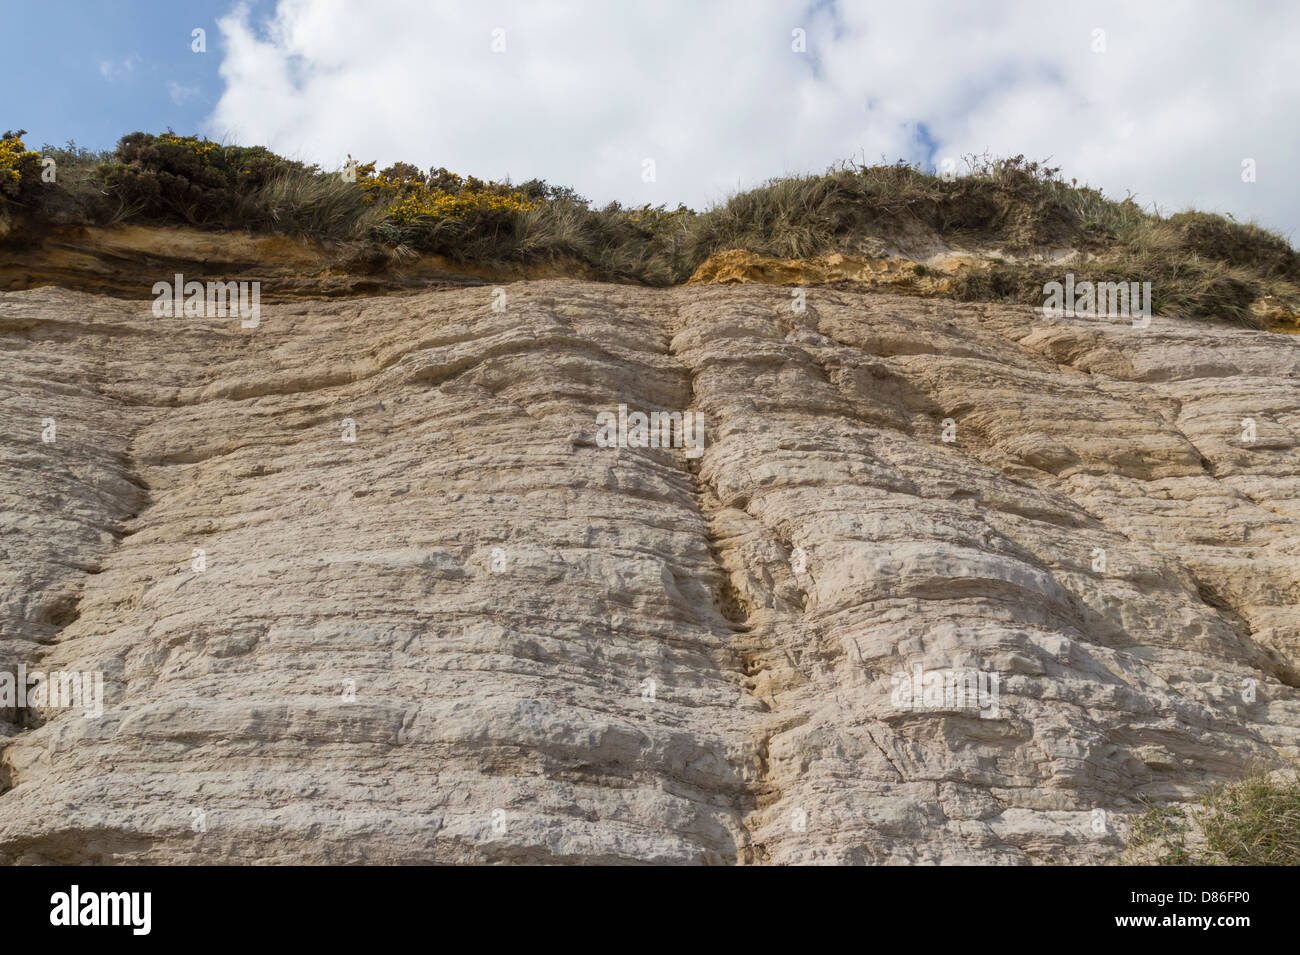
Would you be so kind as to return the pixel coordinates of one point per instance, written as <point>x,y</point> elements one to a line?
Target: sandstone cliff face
<point>474,634</point>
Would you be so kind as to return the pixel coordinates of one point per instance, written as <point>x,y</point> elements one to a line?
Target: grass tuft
<point>1255,821</point>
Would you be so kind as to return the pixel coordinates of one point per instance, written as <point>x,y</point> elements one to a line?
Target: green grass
<point>1255,821</point>
<point>1200,265</point>
<point>298,202</point>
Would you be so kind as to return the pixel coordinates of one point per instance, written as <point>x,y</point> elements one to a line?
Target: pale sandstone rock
<point>498,588</point>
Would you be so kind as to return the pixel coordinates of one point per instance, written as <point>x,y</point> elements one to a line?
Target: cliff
<point>475,633</point>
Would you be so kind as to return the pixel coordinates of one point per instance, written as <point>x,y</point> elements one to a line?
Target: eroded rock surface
<point>474,634</point>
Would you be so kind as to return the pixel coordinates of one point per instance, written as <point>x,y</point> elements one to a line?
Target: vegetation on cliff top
<point>1199,264</point>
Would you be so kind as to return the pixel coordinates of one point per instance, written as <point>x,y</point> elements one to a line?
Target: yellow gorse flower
<point>407,201</point>
<point>202,148</point>
<point>13,156</point>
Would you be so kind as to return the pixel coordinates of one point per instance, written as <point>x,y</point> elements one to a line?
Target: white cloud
<point>113,71</point>
<point>181,93</point>
<point>714,94</point>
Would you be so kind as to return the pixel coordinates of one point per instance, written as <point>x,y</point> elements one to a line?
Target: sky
<point>670,101</point>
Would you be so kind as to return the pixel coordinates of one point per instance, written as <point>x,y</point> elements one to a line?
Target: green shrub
<point>20,168</point>
<point>172,178</point>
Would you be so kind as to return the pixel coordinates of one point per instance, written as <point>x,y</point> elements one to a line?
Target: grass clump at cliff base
<point>1199,264</point>
<point>1255,821</point>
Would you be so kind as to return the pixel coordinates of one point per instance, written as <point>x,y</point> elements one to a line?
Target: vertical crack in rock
<point>742,647</point>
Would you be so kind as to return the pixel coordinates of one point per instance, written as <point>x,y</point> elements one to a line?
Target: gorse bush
<point>20,168</point>
<point>441,212</point>
<point>172,178</point>
<point>482,221</point>
<point>1199,264</point>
